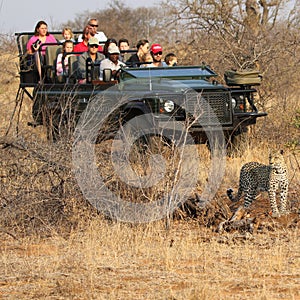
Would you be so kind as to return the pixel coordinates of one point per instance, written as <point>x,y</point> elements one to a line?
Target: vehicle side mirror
<point>107,74</point>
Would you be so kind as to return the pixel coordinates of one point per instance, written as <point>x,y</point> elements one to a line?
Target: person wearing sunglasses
<point>100,35</point>
<point>156,52</point>
<point>94,56</point>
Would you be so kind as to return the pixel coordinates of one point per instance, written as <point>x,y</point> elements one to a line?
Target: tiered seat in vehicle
<point>50,64</point>
<point>73,68</point>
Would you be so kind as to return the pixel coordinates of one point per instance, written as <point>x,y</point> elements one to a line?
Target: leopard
<point>255,176</point>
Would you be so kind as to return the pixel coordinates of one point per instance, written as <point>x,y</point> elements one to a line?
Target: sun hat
<point>93,41</point>
<point>155,48</point>
<point>113,49</point>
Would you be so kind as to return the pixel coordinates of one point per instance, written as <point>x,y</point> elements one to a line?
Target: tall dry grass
<point>118,261</point>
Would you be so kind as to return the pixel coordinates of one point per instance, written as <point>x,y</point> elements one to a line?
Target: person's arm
<point>31,48</point>
<point>59,67</point>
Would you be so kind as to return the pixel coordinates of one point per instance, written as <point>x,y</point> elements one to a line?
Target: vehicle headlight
<point>233,101</point>
<point>169,106</point>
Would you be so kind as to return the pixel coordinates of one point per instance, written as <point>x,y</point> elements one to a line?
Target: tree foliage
<point>119,21</point>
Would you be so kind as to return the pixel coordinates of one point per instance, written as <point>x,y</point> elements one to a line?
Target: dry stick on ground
<point>10,234</point>
<point>298,165</point>
<point>18,107</point>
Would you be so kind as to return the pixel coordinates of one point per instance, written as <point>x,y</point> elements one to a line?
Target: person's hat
<point>155,48</point>
<point>113,49</point>
<point>93,41</point>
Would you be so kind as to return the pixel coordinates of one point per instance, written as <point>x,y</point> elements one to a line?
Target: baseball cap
<point>93,41</point>
<point>156,48</point>
<point>113,49</point>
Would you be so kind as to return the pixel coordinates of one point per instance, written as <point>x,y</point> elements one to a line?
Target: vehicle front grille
<point>209,108</point>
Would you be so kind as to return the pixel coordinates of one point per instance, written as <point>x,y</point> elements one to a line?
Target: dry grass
<point>117,261</point>
<point>55,246</point>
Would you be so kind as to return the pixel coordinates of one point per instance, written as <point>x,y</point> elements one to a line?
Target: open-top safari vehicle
<point>165,93</point>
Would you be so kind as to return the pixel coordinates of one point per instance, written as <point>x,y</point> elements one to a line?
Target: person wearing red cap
<point>156,52</point>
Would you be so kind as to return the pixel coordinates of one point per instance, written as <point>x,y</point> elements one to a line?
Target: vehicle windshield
<point>182,72</point>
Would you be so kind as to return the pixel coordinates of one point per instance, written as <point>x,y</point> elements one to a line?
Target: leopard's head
<point>276,159</point>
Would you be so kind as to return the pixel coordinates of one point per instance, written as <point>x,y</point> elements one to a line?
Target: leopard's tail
<point>230,194</point>
<point>231,197</point>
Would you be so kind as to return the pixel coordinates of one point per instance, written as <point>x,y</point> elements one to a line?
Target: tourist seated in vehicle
<point>83,45</point>
<point>111,63</point>
<point>123,45</point>
<point>135,60</point>
<point>109,42</point>
<point>36,48</point>
<point>100,35</point>
<point>146,60</point>
<point>156,52</point>
<point>62,65</point>
<point>93,56</point>
<point>171,59</point>
<point>40,37</point>
<point>67,34</point>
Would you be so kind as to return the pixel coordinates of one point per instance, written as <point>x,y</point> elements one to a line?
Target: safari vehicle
<point>59,102</point>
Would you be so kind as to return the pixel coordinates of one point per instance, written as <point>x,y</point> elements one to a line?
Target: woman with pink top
<point>40,37</point>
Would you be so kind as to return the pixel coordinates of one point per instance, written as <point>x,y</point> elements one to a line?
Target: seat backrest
<point>50,61</point>
<point>73,68</point>
<point>23,43</point>
<point>51,54</point>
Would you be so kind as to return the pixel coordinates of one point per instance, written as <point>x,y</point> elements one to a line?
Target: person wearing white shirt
<point>100,35</point>
<point>112,62</point>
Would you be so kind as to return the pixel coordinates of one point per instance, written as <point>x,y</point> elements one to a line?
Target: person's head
<point>93,24</point>
<point>113,53</point>
<point>147,58</point>
<point>109,42</point>
<point>171,59</point>
<point>87,34</point>
<point>68,46</point>
<point>142,46</point>
<point>41,28</point>
<point>93,45</point>
<point>67,33</point>
<point>123,44</point>
<point>156,52</point>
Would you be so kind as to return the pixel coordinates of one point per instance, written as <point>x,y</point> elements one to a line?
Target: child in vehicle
<point>62,67</point>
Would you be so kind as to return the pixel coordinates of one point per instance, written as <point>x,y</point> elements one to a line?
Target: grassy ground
<point>116,261</point>
<point>55,246</point>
